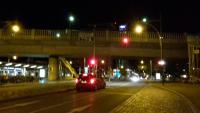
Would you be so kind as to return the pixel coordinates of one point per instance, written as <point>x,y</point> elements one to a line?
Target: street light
<point>144,20</point>
<point>138,29</point>
<point>16,28</point>
<point>71,18</point>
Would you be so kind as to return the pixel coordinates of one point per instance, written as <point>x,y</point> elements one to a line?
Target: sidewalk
<point>155,100</point>
<point>21,90</point>
<point>190,91</point>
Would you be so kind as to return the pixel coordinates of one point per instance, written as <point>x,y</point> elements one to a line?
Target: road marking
<point>19,105</point>
<point>79,109</point>
<point>49,107</point>
<point>57,105</point>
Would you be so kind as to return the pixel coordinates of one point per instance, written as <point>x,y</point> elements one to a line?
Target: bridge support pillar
<point>53,69</point>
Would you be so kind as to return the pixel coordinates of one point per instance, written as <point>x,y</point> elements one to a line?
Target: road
<point>101,101</point>
<point>118,97</point>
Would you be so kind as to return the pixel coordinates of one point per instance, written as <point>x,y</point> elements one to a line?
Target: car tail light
<point>92,81</point>
<point>76,81</point>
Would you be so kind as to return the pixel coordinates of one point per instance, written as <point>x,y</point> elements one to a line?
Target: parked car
<point>90,82</point>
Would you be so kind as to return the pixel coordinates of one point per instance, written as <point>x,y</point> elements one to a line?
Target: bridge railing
<point>75,35</point>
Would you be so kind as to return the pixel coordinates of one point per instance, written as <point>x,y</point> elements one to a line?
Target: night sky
<point>176,16</point>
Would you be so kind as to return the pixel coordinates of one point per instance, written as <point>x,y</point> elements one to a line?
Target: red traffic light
<point>92,61</point>
<point>125,40</point>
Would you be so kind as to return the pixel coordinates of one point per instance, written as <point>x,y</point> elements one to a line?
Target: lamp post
<point>71,19</point>
<point>139,29</point>
<point>144,20</point>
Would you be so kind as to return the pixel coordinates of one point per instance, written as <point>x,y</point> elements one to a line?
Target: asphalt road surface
<point>118,97</point>
<point>101,101</point>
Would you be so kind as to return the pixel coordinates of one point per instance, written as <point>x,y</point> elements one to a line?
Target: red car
<point>89,82</point>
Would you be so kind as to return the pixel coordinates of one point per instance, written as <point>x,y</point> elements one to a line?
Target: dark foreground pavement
<point>118,97</point>
<point>101,101</point>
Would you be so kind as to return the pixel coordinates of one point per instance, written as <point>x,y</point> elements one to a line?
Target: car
<point>90,82</point>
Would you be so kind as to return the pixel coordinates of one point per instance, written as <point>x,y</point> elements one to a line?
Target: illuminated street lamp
<point>159,36</point>
<point>71,18</point>
<point>16,28</point>
<point>138,29</point>
<point>144,20</point>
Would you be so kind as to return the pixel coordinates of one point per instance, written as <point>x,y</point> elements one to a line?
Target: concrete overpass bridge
<point>81,43</point>
<point>84,43</point>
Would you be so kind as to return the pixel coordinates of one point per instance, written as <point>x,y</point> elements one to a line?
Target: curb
<point>35,92</point>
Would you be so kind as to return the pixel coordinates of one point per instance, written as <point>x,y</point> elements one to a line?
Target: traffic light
<point>93,61</point>
<point>125,40</point>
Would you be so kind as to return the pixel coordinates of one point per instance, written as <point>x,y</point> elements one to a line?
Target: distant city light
<point>34,66</point>
<point>58,35</point>
<point>144,20</point>
<point>184,76</point>
<point>68,74</point>
<point>26,65</point>
<point>15,57</point>
<point>8,64</point>
<point>17,65</point>
<point>122,28</point>
<point>0,62</point>
<point>39,67</point>
<point>142,61</point>
<point>70,62</point>
<point>102,61</point>
<point>161,62</point>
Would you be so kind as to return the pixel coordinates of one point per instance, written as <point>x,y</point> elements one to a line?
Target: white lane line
<point>49,107</point>
<point>19,105</point>
<point>57,105</point>
<point>79,109</point>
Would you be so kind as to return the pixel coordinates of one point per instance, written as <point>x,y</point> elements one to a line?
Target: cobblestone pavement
<point>154,100</point>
